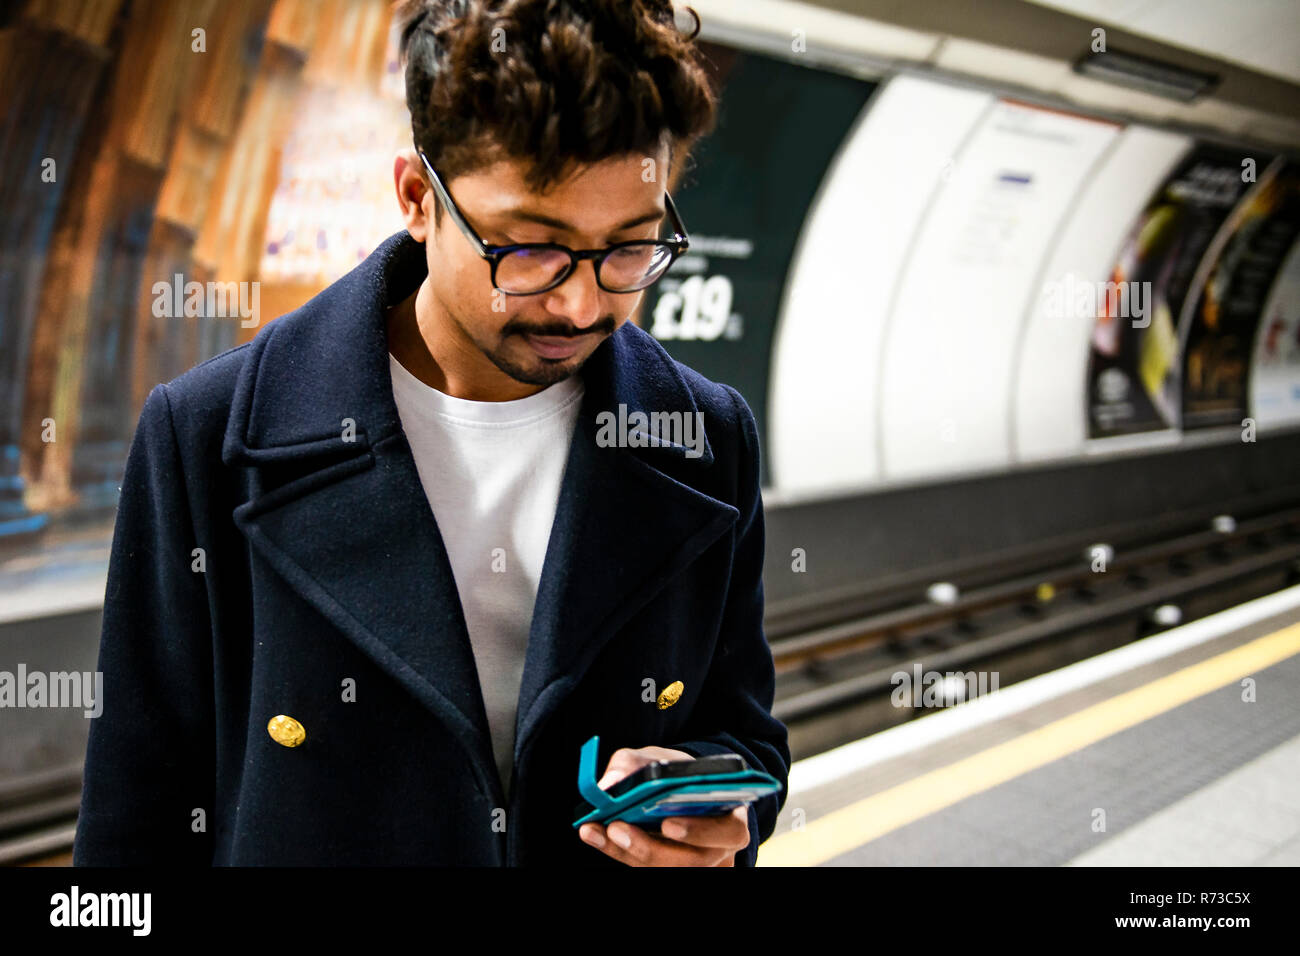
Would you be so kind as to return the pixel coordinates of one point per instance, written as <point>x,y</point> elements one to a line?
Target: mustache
<point>605,325</point>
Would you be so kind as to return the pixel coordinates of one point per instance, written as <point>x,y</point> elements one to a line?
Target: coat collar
<point>329,363</point>
<point>343,517</point>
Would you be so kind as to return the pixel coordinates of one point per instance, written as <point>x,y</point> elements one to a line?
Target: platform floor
<point>1162,764</point>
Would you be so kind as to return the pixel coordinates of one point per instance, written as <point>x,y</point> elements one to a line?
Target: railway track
<point>834,682</point>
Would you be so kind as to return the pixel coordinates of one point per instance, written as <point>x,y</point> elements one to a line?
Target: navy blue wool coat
<point>321,568</point>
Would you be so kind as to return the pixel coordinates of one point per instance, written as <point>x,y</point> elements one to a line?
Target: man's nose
<point>577,298</point>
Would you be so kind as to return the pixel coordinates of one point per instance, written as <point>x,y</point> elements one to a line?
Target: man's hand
<point>685,841</point>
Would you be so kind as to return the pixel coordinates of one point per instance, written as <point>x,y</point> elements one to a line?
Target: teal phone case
<point>649,802</point>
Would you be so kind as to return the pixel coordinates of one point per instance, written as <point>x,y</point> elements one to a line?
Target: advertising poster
<point>1221,328</point>
<point>743,198</point>
<point>1275,372</point>
<point>1135,368</point>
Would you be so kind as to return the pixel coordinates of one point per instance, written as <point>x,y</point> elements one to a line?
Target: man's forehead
<point>614,193</point>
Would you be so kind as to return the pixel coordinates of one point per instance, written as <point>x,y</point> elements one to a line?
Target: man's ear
<point>414,196</point>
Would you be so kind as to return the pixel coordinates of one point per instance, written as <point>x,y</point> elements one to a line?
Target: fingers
<point>730,831</point>
<point>648,849</point>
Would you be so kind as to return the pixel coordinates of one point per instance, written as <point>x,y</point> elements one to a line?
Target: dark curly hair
<point>550,82</point>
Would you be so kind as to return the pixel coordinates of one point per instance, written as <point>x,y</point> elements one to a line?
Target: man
<point>379,573</point>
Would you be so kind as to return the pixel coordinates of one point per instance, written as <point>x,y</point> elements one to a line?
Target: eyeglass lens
<point>626,269</point>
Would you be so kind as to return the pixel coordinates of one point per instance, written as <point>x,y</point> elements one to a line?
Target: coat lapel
<point>623,528</point>
<point>339,511</point>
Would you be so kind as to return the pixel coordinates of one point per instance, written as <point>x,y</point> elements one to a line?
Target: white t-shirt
<point>492,473</point>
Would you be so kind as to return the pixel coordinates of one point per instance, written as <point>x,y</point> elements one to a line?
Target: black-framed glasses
<point>528,268</point>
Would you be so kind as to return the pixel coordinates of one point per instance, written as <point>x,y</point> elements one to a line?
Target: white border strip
<point>834,764</point>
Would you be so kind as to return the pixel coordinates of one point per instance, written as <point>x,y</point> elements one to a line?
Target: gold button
<point>670,695</point>
<point>286,731</point>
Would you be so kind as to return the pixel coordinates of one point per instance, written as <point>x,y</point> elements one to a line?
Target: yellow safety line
<point>842,830</point>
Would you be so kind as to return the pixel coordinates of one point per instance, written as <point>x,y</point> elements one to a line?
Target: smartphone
<point>664,769</point>
<point>703,786</point>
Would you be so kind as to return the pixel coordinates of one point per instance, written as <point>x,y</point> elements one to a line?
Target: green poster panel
<point>744,199</point>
